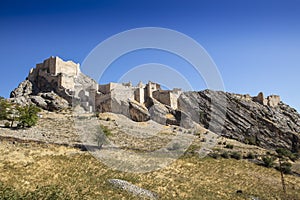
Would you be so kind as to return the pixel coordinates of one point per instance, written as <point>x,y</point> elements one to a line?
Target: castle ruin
<point>65,79</point>
<point>272,100</point>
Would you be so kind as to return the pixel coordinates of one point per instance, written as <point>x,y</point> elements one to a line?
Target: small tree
<point>4,107</point>
<point>100,136</point>
<point>236,155</point>
<point>268,161</point>
<point>28,115</point>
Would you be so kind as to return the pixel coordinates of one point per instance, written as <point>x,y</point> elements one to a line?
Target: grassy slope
<point>37,171</point>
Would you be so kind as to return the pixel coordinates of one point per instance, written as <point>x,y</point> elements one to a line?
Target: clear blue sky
<point>254,43</point>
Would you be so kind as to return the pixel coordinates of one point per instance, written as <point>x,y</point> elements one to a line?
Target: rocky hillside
<point>266,122</point>
<point>247,120</point>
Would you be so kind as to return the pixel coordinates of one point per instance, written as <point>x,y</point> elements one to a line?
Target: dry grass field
<point>41,170</point>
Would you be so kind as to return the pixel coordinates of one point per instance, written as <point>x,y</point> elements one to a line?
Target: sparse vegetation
<point>4,109</point>
<point>236,155</point>
<point>281,152</point>
<point>229,146</point>
<point>105,130</point>
<point>27,116</point>
<point>250,140</point>
<point>214,155</point>
<point>81,176</point>
<point>268,161</point>
<point>101,134</point>
<point>6,124</point>
<point>225,154</point>
<point>250,155</point>
<point>286,167</point>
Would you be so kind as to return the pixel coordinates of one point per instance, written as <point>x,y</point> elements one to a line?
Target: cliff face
<point>245,119</point>
<point>266,122</point>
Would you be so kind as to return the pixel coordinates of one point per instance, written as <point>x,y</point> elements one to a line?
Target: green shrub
<point>5,107</point>
<point>236,155</point>
<point>7,125</point>
<point>283,152</point>
<point>214,155</point>
<point>287,153</point>
<point>268,161</point>
<point>105,130</point>
<point>28,116</point>
<point>250,156</point>
<point>250,140</point>
<point>225,155</point>
<point>229,146</point>
<point>286,167</point>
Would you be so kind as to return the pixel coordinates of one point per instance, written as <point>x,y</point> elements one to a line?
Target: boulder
<point>138,112</point>
<point>133,189</point>
<point>39,101</point>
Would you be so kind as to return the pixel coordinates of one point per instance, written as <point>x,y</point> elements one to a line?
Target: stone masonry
<point>65,79</point>
<point>272,100</point>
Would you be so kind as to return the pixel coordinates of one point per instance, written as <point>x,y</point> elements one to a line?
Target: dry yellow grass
<point>80,176</point>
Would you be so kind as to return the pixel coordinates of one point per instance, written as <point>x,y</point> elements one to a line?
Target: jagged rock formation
<point>267,122</point>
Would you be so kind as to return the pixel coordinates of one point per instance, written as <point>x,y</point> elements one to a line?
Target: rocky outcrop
<point>24,89</point>
<point>47,101</point>
<point>244,119</point>
<point>133,189</point>
<point>138,112</point>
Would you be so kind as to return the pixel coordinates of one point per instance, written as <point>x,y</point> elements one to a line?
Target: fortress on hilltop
<point>56,85</point>
<point>65,79</point>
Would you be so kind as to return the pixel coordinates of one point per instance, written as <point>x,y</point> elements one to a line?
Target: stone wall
<point>163,97</point>
<point>139,95</point>
<point>56,73</point>
<point>272,100</point>
<point>151,87</point>
<point>168,97</point>
<point>65,67</point>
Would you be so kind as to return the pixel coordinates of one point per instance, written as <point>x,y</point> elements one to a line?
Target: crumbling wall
<point>151,87</point>
<point>272,100</point>
<point>139,95</point>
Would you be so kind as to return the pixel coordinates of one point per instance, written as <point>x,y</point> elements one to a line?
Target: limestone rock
<point>54,102</point>
<point>24,89</point>
<point>22,100</point>
<point>47,101</point>
<point>133,189</point>
<point>158,111</point>
<point>138,112</point>
<point>244,120</point>
<point>39,101</point>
